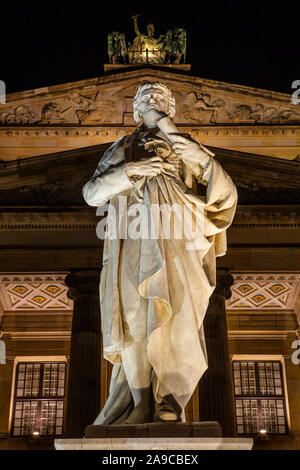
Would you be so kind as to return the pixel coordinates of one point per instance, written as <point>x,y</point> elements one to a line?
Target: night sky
<point>247,43</point>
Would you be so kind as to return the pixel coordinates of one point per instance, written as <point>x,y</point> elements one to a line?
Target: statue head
<point>150,29</point>
<point>168,104</point>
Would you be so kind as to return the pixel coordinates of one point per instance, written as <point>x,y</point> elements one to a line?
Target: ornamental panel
<point>21,292</point>
<point>264,291</point>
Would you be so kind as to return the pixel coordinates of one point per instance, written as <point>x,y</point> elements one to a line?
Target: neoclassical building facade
<point>53,379</point>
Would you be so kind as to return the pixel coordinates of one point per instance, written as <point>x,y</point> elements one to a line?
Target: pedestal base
<point>159,443</point>
<point>155,436</point>
<point>158,429</point>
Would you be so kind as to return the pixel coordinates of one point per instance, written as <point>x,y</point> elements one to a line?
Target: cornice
<point>150,72</point>
<point>39,335</point>
<point>264,335</point>
<point>119,131</point>
<point>84,218</point>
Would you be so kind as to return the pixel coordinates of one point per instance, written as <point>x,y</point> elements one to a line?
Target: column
<point>215,388</point>
<point>83,401</point>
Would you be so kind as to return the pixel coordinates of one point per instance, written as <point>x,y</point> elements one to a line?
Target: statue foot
<point>165,413</point>
<point>138,416</point>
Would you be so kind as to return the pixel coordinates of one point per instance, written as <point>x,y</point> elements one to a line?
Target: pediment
<point>259,179</point>
<point>107,101</point>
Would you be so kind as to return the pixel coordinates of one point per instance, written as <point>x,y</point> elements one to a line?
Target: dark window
<point>39,399</point>
<point>259,397</point>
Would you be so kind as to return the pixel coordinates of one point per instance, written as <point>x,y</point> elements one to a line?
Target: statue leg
<point>136,365</point>
<point>166,407</point>
<point>138,374</point>
<point>119,403</point>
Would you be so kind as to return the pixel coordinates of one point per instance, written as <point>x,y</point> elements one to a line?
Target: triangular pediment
<point>107,100</point>
<point>259,179</point>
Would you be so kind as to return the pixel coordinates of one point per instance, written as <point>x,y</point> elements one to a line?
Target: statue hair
<point>136,100</point>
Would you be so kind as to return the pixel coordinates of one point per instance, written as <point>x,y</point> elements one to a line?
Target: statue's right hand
<point>148,167</point>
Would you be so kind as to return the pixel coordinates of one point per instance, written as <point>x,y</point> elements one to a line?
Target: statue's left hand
<point>190,150</point>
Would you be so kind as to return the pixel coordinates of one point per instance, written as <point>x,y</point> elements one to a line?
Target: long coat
<point>176,275</point>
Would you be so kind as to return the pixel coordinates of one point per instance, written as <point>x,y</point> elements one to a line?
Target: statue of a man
<point>145,47</point>
<point>154,291</point>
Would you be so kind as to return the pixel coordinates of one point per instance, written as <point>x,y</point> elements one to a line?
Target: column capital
<point>224,282</point>
<point>83,282</point>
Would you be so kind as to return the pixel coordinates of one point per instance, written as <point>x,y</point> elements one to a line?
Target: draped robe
<point>174,280</point>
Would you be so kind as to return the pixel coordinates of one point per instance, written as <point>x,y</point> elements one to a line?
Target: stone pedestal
<point>159,443</point>
<point>154,430</point>
<point>155,436</point>
<point>83,402</point>
<point>215,388</point>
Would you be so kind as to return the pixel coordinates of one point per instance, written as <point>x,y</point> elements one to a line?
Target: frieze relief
<point>203,108</point>
<point>111,104</point>
<point>76,108</point>
<point>19,115</point>
<point>93,111</point>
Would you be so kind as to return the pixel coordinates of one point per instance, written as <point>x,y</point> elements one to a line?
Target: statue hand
<point>147,167</point>
<point>189,149</point>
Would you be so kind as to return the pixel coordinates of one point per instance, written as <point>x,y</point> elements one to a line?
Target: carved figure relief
<point>19,115</point>
<point>262,114</point>
<point>93,111</point>
<point>53,114</point>
<point>106,106</point>
<point>202,108</point>
<point>205,109</point>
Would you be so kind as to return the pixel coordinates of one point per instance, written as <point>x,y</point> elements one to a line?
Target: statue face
<point>153,98</point>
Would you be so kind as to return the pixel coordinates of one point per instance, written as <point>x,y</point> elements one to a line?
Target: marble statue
<point>154,291</point>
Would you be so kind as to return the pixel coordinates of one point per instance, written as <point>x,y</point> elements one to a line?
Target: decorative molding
<point>264,291</point>
<point>279,217</point>
<point>48,218</point>
<point>54,131</point>
<point>83,218</point>
<point>120,131</point>
<point>48,227</point>
<point>54,227</point>
<point>145,73</point>
<point>27,292</point>
<point>38,336</point>
<point>252,334</point>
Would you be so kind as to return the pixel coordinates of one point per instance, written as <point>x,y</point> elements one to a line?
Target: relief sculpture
<point>19,115</point>
<point>92,111</point>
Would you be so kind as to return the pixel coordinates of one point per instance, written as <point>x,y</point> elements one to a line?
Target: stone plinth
<point>155,430</point>
<point>119,67</point>
<point>155,436</point>
<point>156,443</point>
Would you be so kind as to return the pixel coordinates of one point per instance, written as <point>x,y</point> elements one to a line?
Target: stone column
<point>83,401</point>
<point>215,388</point>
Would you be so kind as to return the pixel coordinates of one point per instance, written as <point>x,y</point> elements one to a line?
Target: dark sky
<point>248,43</point>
